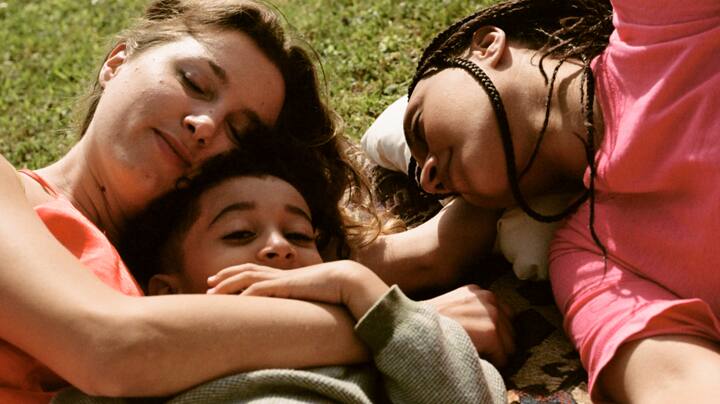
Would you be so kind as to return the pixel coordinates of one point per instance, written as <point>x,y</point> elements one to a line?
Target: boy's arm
<point>425,357</point>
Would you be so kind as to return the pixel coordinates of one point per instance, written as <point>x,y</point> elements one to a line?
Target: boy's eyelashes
<point>298,238</point>
<point>239,235</point>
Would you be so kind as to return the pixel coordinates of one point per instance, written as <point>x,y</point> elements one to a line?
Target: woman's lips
<point>175,148</point>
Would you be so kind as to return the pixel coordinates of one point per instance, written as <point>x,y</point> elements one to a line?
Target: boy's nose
<point>278,252</point>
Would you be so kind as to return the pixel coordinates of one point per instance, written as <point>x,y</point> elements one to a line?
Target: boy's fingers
<point>237,270</point>
<point>239,282</point>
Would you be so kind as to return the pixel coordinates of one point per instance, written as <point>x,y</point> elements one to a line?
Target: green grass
<point>52,48</point>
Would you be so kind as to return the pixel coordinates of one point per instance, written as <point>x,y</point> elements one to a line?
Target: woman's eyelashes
<point>235,134</point>
<point>191,82</point>
<point>195,86</point>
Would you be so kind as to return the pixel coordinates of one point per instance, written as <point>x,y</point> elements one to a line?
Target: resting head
<point>261,203</point>
<point>186,83</point>
<point>259,219</point>
<point>480,101</point>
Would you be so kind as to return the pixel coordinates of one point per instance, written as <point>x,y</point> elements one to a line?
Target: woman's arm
<point>433,254</point>
<point>110,344</point>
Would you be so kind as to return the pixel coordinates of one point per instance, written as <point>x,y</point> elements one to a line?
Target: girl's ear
<point>115,59</point>
<point>488,45</point>
<point>165,284</point>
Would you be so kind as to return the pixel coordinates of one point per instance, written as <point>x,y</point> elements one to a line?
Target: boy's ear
<point>115,59</point>
<point>488,45</point>
<point>165,284</point>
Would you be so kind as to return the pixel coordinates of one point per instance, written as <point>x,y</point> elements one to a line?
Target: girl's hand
<point>484,318</point>
<point>339,282</point>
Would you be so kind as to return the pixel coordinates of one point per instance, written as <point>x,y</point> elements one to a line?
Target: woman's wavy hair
<point>565,30</point>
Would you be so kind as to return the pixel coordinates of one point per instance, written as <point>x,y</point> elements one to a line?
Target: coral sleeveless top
<point>23,379</point>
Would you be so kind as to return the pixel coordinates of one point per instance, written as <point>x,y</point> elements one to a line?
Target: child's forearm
<point>425,357</point>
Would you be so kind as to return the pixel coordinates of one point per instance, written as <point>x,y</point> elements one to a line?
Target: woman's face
<point>453,134</point>
<point>262,220</point>
<point>168,108</point>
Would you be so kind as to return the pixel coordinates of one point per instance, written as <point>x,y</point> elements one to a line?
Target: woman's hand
<point>484,318</point>
<point>338,282</point>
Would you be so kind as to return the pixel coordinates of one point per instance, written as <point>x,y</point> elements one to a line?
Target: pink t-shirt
<point>658,170</point>
<point>22,378</point>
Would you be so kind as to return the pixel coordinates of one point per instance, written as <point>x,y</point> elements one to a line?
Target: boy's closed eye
<point>301,239</point>
<point>240,236</point>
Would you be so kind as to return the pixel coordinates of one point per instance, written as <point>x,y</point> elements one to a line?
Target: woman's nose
<point>278,252</point>
<point>202,127</point>
<point>429,178</point>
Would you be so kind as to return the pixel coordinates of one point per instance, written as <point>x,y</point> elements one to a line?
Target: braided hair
<point>561,29</point>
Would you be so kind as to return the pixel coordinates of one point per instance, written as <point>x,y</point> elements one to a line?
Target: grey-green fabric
<point>419,357</point>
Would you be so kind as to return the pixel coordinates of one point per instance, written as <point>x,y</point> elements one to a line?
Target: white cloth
<point>522,240</point>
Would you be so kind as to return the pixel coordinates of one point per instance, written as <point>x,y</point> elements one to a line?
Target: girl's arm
<point>110,344</point>
<point>433,254</point>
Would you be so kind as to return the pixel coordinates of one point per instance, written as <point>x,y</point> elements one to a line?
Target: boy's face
<point>262,220</point>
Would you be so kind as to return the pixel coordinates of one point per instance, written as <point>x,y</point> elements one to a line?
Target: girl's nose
<point>278,252</point>
<point>429,178</point>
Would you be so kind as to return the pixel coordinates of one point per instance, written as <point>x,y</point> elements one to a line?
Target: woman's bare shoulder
<point>11,184</point>
<point>10,178</point>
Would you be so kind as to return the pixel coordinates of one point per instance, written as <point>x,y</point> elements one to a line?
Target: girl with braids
<point>530,97</point>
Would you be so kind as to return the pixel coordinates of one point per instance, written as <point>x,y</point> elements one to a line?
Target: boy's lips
<point>177,147</point>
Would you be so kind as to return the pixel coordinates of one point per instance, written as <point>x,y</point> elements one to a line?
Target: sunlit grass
<point>50,49</point>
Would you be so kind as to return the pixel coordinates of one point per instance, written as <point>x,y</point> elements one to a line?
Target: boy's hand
<point>484,318</point>
<point>338,282</point>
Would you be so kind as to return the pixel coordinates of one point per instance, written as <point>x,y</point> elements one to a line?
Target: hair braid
<point>561,29</point>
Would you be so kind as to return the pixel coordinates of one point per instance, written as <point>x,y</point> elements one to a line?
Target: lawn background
<point>49,50</point>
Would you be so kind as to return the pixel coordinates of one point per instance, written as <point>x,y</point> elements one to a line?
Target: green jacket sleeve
<point>425,357</point>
